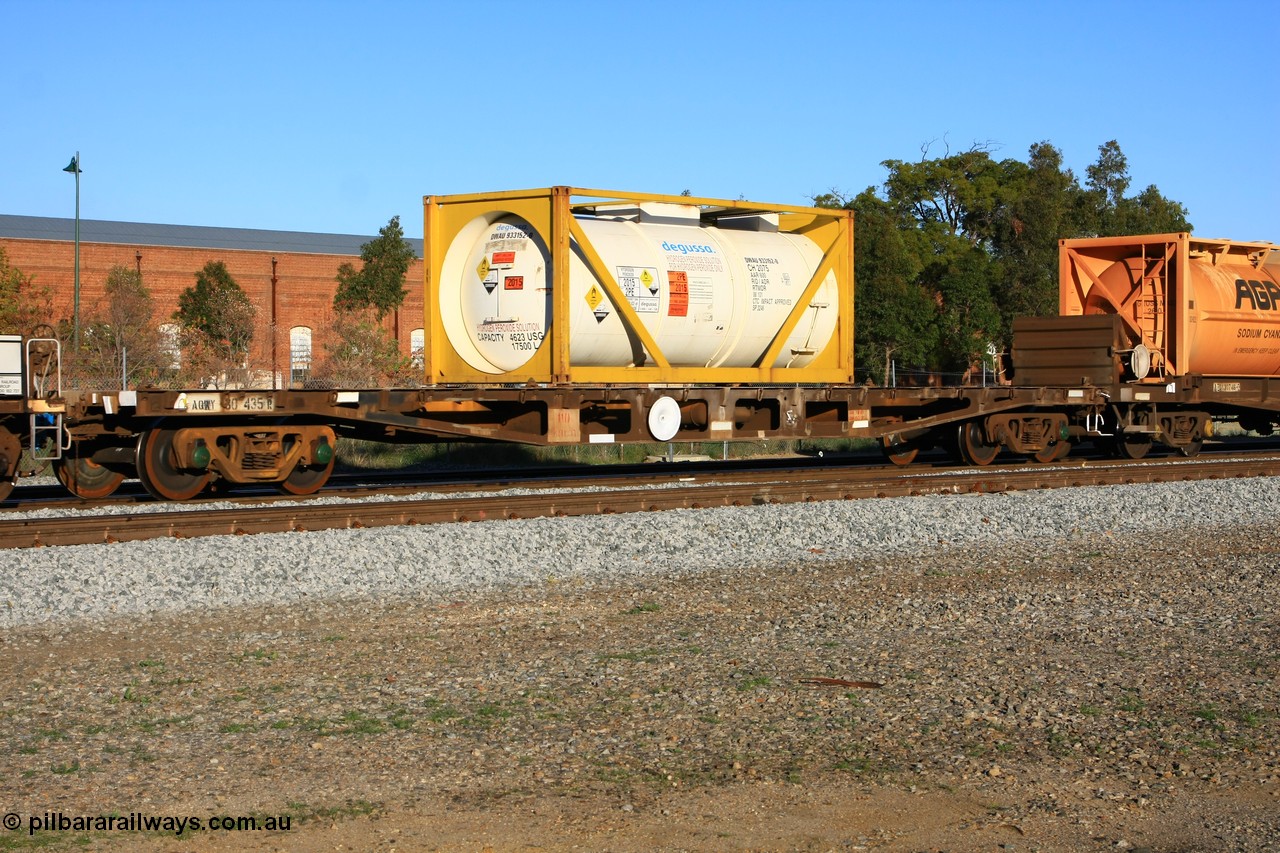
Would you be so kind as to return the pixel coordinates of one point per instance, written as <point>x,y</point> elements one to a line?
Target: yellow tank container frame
<point>543,250</point>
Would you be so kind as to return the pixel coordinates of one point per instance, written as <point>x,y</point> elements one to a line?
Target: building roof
<point>186,236</point>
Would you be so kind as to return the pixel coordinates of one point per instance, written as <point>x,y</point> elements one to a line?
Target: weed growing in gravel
<point>647,654</point>
<point>860,765</point>
<point>1253,718</point>
<point>638,655</point>
<point>754,681</point>
<point>1059,743</point>
<point>443,713</point>
<point>1209,714</point>
<point>131,695</point>
<point>647,607</point>
<point>302,812</point>
<point>488,715</point>
<point>150,726</point>
<point>359,723</point>
<point>263,656</point>
<point>1130,702</point>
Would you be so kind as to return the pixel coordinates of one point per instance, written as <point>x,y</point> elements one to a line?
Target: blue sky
<point>333,117</point>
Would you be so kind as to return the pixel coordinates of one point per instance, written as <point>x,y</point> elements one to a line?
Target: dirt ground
<point>1107,695</point>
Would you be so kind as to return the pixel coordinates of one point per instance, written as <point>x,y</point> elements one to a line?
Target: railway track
<point>555,498</point>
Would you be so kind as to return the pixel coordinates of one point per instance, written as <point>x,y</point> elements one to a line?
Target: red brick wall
<point>305,285</point>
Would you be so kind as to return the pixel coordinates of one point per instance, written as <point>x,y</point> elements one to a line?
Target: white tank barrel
<point>710,296</point>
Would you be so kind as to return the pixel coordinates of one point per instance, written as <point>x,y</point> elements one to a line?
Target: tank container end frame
<point>1154,282</point>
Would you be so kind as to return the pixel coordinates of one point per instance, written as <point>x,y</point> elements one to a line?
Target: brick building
<point>289,276</point>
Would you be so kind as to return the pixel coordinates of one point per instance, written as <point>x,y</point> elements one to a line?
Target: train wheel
<point>1133,445</point>
<point>85,478</point>
<point>159,473</point>
<point>974,448</point>
<point>898,450</point>
<point>1192,448</point>
<point>306,481</point>
<point>1053,453</point>
<point>10,452</point>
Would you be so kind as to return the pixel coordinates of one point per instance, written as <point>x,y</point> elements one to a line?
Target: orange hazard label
<point>504,258</point>
<point>678,290</point>
<point>513,282</point>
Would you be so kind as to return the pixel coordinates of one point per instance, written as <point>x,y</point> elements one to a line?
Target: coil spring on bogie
<point>258,461</point>
<point>1180,429</point>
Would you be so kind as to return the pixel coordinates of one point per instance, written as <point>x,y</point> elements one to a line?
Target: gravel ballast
<point>1084,669</point>
<point>159,576</point>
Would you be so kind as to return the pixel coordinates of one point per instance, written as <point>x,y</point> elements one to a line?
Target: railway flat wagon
<point>576,316</point>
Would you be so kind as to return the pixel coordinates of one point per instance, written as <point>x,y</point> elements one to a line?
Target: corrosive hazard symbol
<point>595,300</point>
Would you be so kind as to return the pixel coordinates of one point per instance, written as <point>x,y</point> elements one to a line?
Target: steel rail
<point>406,482</point>
<point>823,485</point>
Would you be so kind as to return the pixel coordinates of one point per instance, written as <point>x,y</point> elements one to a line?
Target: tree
<point>968,317</point>
<point>363,355</point>
<point>120,340</point>
<point>379,283</point>
<point>954,196</point>
<point>947,211</point>
<point>1149,212</point>
<point>23,306</point>
<point>1040,209</point>
<point>965,243</point>
<point>216,321</point>
<point>216,310</point>
<point>1106,211</point>
<point>895,316</point>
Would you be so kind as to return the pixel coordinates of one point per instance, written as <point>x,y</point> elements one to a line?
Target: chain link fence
<point>341,351</point>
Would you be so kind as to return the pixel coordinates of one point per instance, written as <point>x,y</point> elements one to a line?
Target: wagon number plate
<point>215,402</point>
<point>251,403</point>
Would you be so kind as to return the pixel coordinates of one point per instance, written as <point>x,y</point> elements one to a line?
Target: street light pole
<point>74,168</point>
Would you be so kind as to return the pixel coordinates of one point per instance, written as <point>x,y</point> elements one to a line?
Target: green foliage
<point>950,249</point>
<point>364,355</point>
<point>1041,204</point>
<point>379,283</point>
<point>119,340</point>
<point>968,319</point>
<point>216,321</point>
<point>895,313</point>
<point>217,313</point>
<point>1105,210</point>
<point>956,196</point>
<point>23,306</point>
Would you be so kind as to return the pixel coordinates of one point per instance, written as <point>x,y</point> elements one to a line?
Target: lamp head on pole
<point>74,166</point>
